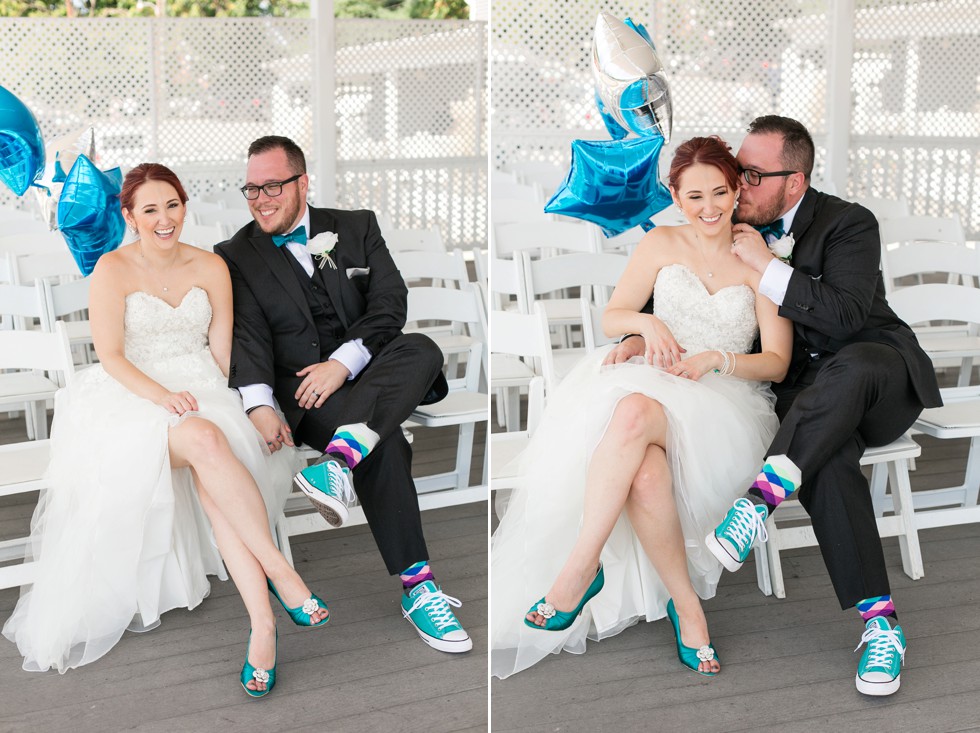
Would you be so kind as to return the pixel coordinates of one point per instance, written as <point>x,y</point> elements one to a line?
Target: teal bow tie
<point>297,235</point>
<point>775,229</point>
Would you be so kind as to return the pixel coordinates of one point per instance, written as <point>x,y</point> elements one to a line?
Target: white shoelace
<point>746,522</point>
<point>340,483</point>
<point>438,607</point>
<point>880,642</point>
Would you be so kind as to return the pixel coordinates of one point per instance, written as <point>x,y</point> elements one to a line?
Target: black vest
<point>328,324</point>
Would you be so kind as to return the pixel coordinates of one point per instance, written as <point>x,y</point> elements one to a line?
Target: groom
<point>857,378</point>
<point>319,307</point>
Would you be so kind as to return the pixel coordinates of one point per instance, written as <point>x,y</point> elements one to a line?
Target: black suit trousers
<point>382,396</point>
<point>861,396</point>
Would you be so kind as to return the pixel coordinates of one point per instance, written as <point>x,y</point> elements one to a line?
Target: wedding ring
<point>315,394</point>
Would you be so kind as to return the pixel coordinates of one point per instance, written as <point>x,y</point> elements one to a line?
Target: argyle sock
<point>415,574</point>
<point>778,480</point>
<point>351,444</point>
<point>869,608</point>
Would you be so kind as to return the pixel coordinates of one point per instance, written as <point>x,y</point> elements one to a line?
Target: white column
<point>840,28</point>
<point>324,104</point>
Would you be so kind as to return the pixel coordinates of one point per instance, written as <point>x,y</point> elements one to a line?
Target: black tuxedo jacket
<point>274,332</point>
<point>836,295</point>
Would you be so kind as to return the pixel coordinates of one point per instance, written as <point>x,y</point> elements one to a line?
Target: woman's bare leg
<point>238,516</point>
<point>653,513</point>
<point>637,422</point>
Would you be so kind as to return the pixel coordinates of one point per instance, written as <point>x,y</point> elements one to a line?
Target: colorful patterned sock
<point>415,574</point>
<point>779,479</point>
<point>352,443</point>
<point>869,608</point>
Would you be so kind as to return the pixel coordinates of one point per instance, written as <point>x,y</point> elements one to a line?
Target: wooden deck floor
<point>788,664</point>
<point>366,671</point>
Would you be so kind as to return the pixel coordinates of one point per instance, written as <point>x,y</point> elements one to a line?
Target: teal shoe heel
<point>301,614</point>
<point>690,658</point>
<point>560,620</point>
<point>257,673</point>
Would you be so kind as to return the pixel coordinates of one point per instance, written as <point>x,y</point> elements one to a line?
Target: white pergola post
<point>841,58</point>
<point>324,96</point>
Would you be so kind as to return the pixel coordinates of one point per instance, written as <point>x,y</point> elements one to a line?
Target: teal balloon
<point>21,145</point>
<point>89,215</point>
<point>613,183</point>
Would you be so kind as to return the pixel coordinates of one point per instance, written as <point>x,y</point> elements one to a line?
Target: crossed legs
<point>629,470</point>
<point>231,499</point>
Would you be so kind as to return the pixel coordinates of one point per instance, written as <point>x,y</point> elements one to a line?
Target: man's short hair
<point>797,143</point>
<point>294,155</point>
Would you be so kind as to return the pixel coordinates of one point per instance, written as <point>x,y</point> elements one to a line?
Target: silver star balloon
<point>629,78</point>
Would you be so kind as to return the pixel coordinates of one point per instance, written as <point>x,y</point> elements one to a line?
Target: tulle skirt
<point>719,430</point>
<point>119,538</point>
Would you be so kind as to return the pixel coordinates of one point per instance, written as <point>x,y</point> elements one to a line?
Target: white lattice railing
<point>912,122</point>
<point>409,105</point>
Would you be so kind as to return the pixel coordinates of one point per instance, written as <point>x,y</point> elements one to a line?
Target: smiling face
<point>775,195</point>
<point>157,214</point>
<point>705,198</point>
<point>276,214</point>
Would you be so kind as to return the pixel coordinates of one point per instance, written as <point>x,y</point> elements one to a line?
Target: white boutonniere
<point>783,247</point>
<point>322,246</point>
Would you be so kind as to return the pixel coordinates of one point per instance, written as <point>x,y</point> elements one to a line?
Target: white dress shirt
<point>775,280</point>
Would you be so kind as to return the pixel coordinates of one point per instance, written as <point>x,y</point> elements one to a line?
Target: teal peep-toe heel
<point>268,676</point>
<point>301,615</point>
<point>556,620</point>
<point>690,658</point>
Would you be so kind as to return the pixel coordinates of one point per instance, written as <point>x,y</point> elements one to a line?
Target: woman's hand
<point>177,403</point>
<point>662,349</point>
<point>695,367</point>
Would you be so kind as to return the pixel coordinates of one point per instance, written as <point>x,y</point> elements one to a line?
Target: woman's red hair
<point>707,151</point>
<point>148,172</point>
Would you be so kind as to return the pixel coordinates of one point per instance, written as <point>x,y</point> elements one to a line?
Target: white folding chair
<point>926,245</point>
<point>884,208</point>
<point>23,465</point>
<point>465,405</point>
<point>68,302</point>
<point>592,333</point>
<point>542,237</point>
<point>414,240</point>
<point>546,175</point>
<point>34,243</point>
<point>520,351</point>
<point>30,268</point>
<point>918,305</point>
<point>892,458</point>
<point>24,389</point>
<point>203,236</point>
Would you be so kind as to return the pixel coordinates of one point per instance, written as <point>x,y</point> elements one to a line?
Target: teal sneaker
<point>880,669</point>
<point>427,608</point>
<point>732,540</point>
<point>328,486</point>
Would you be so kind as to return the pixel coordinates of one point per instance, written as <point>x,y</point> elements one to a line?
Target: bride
<point>671,439</point>
<point>155,468</point>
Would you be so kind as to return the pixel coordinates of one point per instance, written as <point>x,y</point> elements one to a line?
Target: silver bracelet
<point>725,364</point>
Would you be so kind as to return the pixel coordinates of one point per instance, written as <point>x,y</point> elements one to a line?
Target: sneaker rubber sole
<point>332,510</point>
<point>877,688</point>
<point>453,647</point>
<point>721,554</point>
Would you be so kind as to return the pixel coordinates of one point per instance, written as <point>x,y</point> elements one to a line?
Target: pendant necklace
<point>707,266</point>
<point>153,269</point>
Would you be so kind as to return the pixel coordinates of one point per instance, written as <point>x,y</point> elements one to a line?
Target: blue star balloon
<point>21,145</point>
<point>613,183</point>
<point>88,212</point>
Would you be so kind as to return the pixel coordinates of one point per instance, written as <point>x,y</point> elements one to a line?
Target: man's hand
<point>273,429</point>
<point>320,381</point>
<point>751,248</point>
<point>633,346</point>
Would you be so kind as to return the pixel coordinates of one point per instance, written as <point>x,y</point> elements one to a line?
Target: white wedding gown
<point>120,537</point>
<point>719,430</point>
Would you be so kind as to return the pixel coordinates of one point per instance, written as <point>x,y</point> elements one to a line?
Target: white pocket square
<point>353,272</point>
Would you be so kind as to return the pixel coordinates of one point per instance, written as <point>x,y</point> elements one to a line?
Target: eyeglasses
<point>754,177</point>
<point>272,188</point>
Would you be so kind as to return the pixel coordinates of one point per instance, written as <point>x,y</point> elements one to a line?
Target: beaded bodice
<point>701,321</point>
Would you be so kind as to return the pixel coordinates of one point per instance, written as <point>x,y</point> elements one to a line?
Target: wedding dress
<point>120,537</point>
<point>719,429</point>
